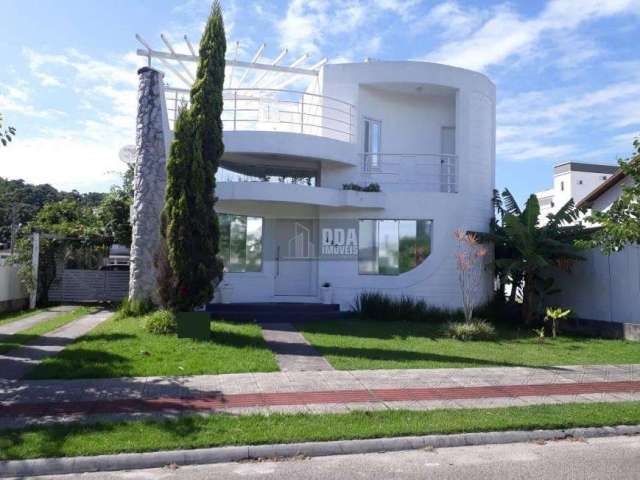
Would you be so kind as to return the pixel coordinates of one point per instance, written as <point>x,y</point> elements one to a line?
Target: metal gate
<point>89,286</point>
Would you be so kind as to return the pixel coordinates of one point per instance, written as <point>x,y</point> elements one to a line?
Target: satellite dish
<point>127,154</point>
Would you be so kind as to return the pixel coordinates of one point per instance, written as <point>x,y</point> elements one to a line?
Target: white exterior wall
<point>10,286</point>
<point>411,124</point>
<point>604,287</point>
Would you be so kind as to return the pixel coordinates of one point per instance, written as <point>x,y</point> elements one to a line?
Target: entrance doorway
<point>295,257</point>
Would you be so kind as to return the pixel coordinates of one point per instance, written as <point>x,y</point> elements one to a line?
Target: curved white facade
<point>430,135</point>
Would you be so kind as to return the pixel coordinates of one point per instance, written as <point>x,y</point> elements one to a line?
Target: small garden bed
<point>363,344</point>
<point>220,430</point>
<point>123,348</point>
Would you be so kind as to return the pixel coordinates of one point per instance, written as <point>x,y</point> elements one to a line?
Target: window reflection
<point>241,242</point>
<point>390,247</point>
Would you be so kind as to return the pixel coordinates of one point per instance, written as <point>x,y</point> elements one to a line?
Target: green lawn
<point>122,348</point>
<point>219,430</point>
<point>10,342</point>
<point>13,316</point>
<point>360,344</point>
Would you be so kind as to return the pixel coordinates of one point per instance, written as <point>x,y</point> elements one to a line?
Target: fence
<point>89,286</point>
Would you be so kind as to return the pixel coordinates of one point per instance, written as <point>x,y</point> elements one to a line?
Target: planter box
<point>195,325</point>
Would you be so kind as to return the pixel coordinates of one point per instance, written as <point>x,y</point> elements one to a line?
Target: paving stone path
<point>32,320</point>
<point>293,352</point>
<point>16,363</point>
<point>32,402</point>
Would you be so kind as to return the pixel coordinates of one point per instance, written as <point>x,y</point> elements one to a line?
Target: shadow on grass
<point>393,355</point>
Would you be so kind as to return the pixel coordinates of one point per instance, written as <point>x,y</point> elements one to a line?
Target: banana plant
<point>526,251</point>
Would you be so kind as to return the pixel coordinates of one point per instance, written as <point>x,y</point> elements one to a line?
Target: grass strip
<point>121,347</point>
<point>16,340</point>
<point>364,345</point>
<point>13,316</point>
<point>220,430</point>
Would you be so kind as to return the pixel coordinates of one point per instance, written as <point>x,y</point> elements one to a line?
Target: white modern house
<point>572,180</point>
<point>300,142</point>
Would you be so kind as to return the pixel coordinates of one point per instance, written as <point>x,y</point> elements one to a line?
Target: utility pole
<point>13,228</point>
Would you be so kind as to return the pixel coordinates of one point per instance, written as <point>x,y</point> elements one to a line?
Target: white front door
<point>295,257</point>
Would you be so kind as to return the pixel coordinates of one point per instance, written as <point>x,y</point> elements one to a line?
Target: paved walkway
<point>293,352</point>
<point>314,392</point>
<point>16,363</point>
<point>31,320</point>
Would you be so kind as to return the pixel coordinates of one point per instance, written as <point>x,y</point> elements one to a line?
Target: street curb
<point>132,461</point>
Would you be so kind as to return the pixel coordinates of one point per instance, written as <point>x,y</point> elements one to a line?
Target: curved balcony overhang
<point>247,146</point>
<point>287,193</point>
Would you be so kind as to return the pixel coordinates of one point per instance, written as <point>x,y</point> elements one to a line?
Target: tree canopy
<point>619,226</point>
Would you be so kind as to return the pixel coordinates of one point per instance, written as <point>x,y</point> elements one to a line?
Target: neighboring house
<point>605,287</point>
<point>300,141</point>
<point>571,180</point>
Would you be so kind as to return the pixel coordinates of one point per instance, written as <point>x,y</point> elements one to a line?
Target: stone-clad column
<point>149,183</point>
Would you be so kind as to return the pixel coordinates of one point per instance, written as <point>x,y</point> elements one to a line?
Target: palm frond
<point>510,204</point>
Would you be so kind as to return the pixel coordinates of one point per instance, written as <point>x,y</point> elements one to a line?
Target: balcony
<point>422,172</point>
<point>301,191</point>
<point>273,110</point>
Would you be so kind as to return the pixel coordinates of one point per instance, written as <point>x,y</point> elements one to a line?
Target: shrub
<point>135,308</point>
<point>162,322</point>
<point>476,329</point>
<point>372,187</point>
<point>379,306</point>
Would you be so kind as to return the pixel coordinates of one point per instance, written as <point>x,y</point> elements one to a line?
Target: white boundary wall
<point>603,287</point>
<point>10,286</point>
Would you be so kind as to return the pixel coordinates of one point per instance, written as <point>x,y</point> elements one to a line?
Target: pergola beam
<point>235,63</point>
<point>164,62</point>
<point>173,52</point>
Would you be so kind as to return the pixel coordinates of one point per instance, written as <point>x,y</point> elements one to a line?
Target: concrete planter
<point>195,325</point>
<point>226,293</point>
<point>326,295</point>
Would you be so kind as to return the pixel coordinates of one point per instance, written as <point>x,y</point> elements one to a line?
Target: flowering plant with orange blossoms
<point>469,262</point>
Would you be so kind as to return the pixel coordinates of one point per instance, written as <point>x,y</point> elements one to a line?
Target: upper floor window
<point>391,247</point>
<point>562,186</point>
<point>241,242</point>
<point>372,144</point>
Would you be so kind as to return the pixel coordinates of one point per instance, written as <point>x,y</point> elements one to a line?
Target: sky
<point>567,71</point>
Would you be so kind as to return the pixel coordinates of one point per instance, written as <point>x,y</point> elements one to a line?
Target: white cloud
<point>506,34</point>
<point>66,162</point>
<point>18,99</point>
<point>544,124</point>
<point>451,19</point>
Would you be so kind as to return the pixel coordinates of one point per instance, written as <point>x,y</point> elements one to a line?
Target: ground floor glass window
<point>241,242</point>
<point>391,247</point>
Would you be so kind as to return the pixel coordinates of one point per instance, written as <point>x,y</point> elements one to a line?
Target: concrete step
<point>274,312</point>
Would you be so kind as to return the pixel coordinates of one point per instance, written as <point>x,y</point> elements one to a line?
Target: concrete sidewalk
<point>16,363</point>
<point>315,392</point>
<point>293,352</point>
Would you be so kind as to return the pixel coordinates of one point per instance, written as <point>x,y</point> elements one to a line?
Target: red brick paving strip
<point>222,401</point>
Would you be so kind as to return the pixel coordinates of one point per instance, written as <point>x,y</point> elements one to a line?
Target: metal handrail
<point>312,115</point>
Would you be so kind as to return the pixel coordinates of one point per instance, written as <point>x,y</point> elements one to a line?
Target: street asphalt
<point>598,458</point>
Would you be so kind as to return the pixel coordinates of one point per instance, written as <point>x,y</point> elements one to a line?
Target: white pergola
<point>253,74</point>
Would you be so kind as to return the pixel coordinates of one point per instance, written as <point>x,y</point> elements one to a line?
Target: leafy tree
<point>192,231</point>
<point>114,214</point>
<point>620,224</point>
<point>71,234</point>
<point>6,134</point>
<point>526,251</point>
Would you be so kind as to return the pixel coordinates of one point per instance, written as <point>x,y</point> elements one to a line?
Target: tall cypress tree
<point>192,230</point>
